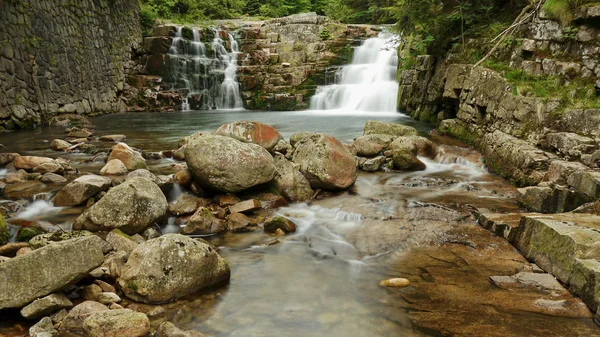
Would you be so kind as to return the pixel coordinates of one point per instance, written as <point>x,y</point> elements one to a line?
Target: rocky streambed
<point>286,226</point>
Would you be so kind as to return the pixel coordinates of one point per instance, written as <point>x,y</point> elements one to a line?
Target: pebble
<point>395,283</point>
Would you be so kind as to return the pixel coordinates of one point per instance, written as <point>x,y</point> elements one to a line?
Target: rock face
<point>131,207</point>
<point>228,165</point>
<point>132,159</point>
<point>81,189</point>
<point>169,267</point>
<point>251,132</point>
<point>48,269</point>
<point>40,100</point>
<point>325,162</point>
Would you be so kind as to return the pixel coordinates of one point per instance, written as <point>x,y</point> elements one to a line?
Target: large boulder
<point>131,207</point>
<point>325,162</point>
<point>289,181</point>
<point>132,159</point>
<point>81,189</point>
<point>72,324</point>
<point>169,267</point>
<point>392,129</point>
<point>371,145</point>
<point>251,132</point>
<point>228,165</point>
<point>48,269</point>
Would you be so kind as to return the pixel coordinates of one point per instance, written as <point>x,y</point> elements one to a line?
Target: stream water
<point>323,280</point>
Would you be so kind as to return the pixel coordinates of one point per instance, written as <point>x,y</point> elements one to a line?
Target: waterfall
<point>368,83</point>
<point>204,72</point>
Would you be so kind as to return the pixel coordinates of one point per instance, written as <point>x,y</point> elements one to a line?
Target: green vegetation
<point>562,10</point>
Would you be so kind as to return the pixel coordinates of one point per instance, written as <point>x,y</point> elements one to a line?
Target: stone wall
<point>63,57</point>
<point>541,143</point>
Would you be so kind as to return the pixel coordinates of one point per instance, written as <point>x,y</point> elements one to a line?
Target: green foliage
<point>191,11</point>
<point>562,10</point>
<point>324,34</point>
<point>147,19</point>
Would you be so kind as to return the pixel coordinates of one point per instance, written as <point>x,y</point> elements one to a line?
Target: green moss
<point>4,234</point>
<point>27,233</point>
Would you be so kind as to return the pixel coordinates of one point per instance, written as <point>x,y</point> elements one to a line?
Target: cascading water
<point>368,83</point>
<point>204,72</point>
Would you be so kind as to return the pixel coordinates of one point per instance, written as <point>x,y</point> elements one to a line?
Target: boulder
<point>7,157</point>
<point>43,328</point>
<point>186,204</point>
<point>80,133</point>
<point>371,145</point>
<point>325,162</point>
<point>28,163</point>
<point>132,159</point>
<point>16,177</point>
<point>113,138</point>
<point>60,145</point>
<point>80,190</point>
<point>183,177</point>
<point>114,167</point>
<point>251,132</point>
<point>50,166</point>
<point>169,267</point>
<point>46,305</point>
<point>53,178</point>
<point>131,207</point>
<point>373,164</point>
<point>392,129</point>
<point>238,222</point>
<point>545,199</point>
<point>228,165</point>
<point>114,323</point>
<point>588,182</point>
<point>289,181</point>
<point>203,222</point>
<point>406,161</point>
<point>72,324</point>
<point>48,269</point>
<point>418,145</point>
<point>298,136</point>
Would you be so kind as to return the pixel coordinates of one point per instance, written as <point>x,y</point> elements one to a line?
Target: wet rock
<point>168,329</point>
<point>53,178</point>
<point>72,324</point>
<point>80,190</point>
<point>6,158</point>
<point>120,322</point>
<point>131,207</point>
<point>372,144</point>
<point>325,162</point>
<point>43,240</point>
<point>169,267</point>
<point>11,249</point>
<point>245,206</point>
<point>392,129</point>
<point>279,222</point>
<point>113,138</point>
<point>46,305</point>
<point>588,182</point>
<point>60,145</point>
<point>28,163</point>
<point>186,204</point>
<point>43,328</point>
<point>114,167</point>
<point>407,161</point>
<point>238,222</point>
<point>51,166</point>
<point>183,177</point>
<point>204,222</point>
<point>373,164</point>
<point>570,144</point>
<point>228,165</point>
<point>289,181</point>
<point>121,241</point>
<point>420,146</point>
<point>48,269</point>
<point>132,159</point>
<point>16,177</point>
<point>395,283</point>
<point>543,282</point>
<point>251,132</point>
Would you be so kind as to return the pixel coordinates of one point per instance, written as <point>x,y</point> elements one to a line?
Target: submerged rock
<point>48,269</point>
<point>251,132</point>
<point>131,207</point>
<point>169,267</point>
<point>325,162</point>
<point>228,165</point>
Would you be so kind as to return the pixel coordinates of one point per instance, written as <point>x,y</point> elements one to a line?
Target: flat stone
<point>46,305</point>
<point>113,138</point>
<point>48,269</point>
<point>543,282</point>
<point>245,206</point>
<point>60,145</point>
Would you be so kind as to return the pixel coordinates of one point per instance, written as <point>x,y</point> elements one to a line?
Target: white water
<point>368,83</point>
<point>38,209</point>
<point>208,76</point>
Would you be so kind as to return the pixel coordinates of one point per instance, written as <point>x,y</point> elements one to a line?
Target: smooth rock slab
<point>46,305</point>
<point>48,269</point>
<point>170,267</point>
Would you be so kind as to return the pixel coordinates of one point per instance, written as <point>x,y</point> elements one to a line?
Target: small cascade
<point>368,83</point>
<point>202,66</point>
